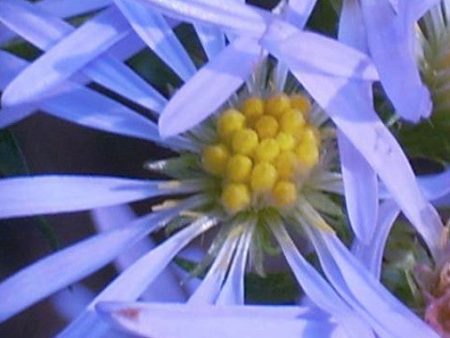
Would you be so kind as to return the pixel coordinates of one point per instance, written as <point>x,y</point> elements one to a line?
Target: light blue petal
<point>435,186</point>
<point>209,288</point>
<point>232,292</point>
<point>69,265</point>
<point>211,38</point>
<point>67,57</point>
<point>210,87</point>
<point>361,198</point>
<point>393,317</point>
<point>297,12</point>
<point>238,18</point>
<point>350,107</point>
<point>315,52</point>
<point>415,9</point>
<point>70,302</point>
<point>70,8</point>
<point>165,288</point>
<point>391,34</point>
<point>180,321</point>
<point>158,35</point>
<point>11,66</point>
<point>371,253</point>
<point>133,281</point>
<point>317,289</point>
<point>352,30</point>
<point>45,31</point>
<point>27,196</point>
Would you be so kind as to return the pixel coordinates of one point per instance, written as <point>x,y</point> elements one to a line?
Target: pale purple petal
<point>350,107</point>
<point>384,309</point>
<point>67,57</point>
<point>352,30</point>
<point>371,253</point>
<point>238,18</point>
<point>317,289</point>
<point>158,320</point>
<point>210,87</point>
<point>435,186</point>
<point>166,288</point>
<point>133,281</point>
<point>209,288</point>
<point>69,8</point>
<point>158,35</point>
<point>390,34</point>
<point>67,266</point>
<point>316,52</point>
<point>26,196</point>
<point>211,38</point>
<point>232,292</point>
<point>70,302</point>
<point>297,12</point>
<point>361,190</point>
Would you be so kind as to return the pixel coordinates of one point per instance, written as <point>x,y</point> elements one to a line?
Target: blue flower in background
<point>330,72</point>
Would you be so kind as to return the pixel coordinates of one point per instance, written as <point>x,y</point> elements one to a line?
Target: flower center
<point>263,151</point>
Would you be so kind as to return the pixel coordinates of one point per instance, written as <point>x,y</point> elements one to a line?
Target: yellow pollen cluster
<point>262,150</point>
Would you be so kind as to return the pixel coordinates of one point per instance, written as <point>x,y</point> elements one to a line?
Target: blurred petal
<point>68,56</point>
<point>435,186</point>
<point>391,34</point>
<point>26,196</point>
<point>158,35</point>
<point>159,320</point>
<point>350,107</point>
<point>238,18</point>
<point>210,87</point>
<point>371,254</point>
<point>383,308</point>
<point>361,199</point>
<point>69,265</point>
<point>352,30</point>
<point>211,38</point>
<point>70,302</point>
<point>132,282</point>
<point>69,8</point>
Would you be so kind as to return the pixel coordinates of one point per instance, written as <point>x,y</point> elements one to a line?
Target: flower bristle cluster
<point>262,151</point>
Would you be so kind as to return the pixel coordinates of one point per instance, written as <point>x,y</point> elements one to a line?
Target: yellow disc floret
<point>230,121</point>
<point>263,177</point>
<point>284,193</point>
<point>277,104</point>
<point>244,141</point>
<point>263,152</point>
<point>253,108</point>
<point>267,150</point>
<point>266,126</point>
<point>215,158</point>
<point>235,197</point>
<point>239,168</point>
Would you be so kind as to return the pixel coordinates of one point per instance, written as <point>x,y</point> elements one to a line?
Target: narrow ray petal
<point>26,196</point>
<point>67,266</point>
<point>157,320</point>
<point>68,56</point>
<point>391,34</point>
<point>232,292</point>
<point>238,18</point>
<point>69,8</point>
<point>298,12</point>
<point>371,253</point>
<point>350,107</point>
<point>210,87</point>
<point>209,288</point>
<point>361,199</point>
<point>133,281</point>
<point>395,318</point>
<point>158,35</point>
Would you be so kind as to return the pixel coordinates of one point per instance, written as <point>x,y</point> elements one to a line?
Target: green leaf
<point>429,139</point>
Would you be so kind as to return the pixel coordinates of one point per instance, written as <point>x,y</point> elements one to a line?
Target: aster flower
<point>354,295</point>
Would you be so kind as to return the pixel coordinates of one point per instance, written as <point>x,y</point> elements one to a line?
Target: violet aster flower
<point>247,202</point>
